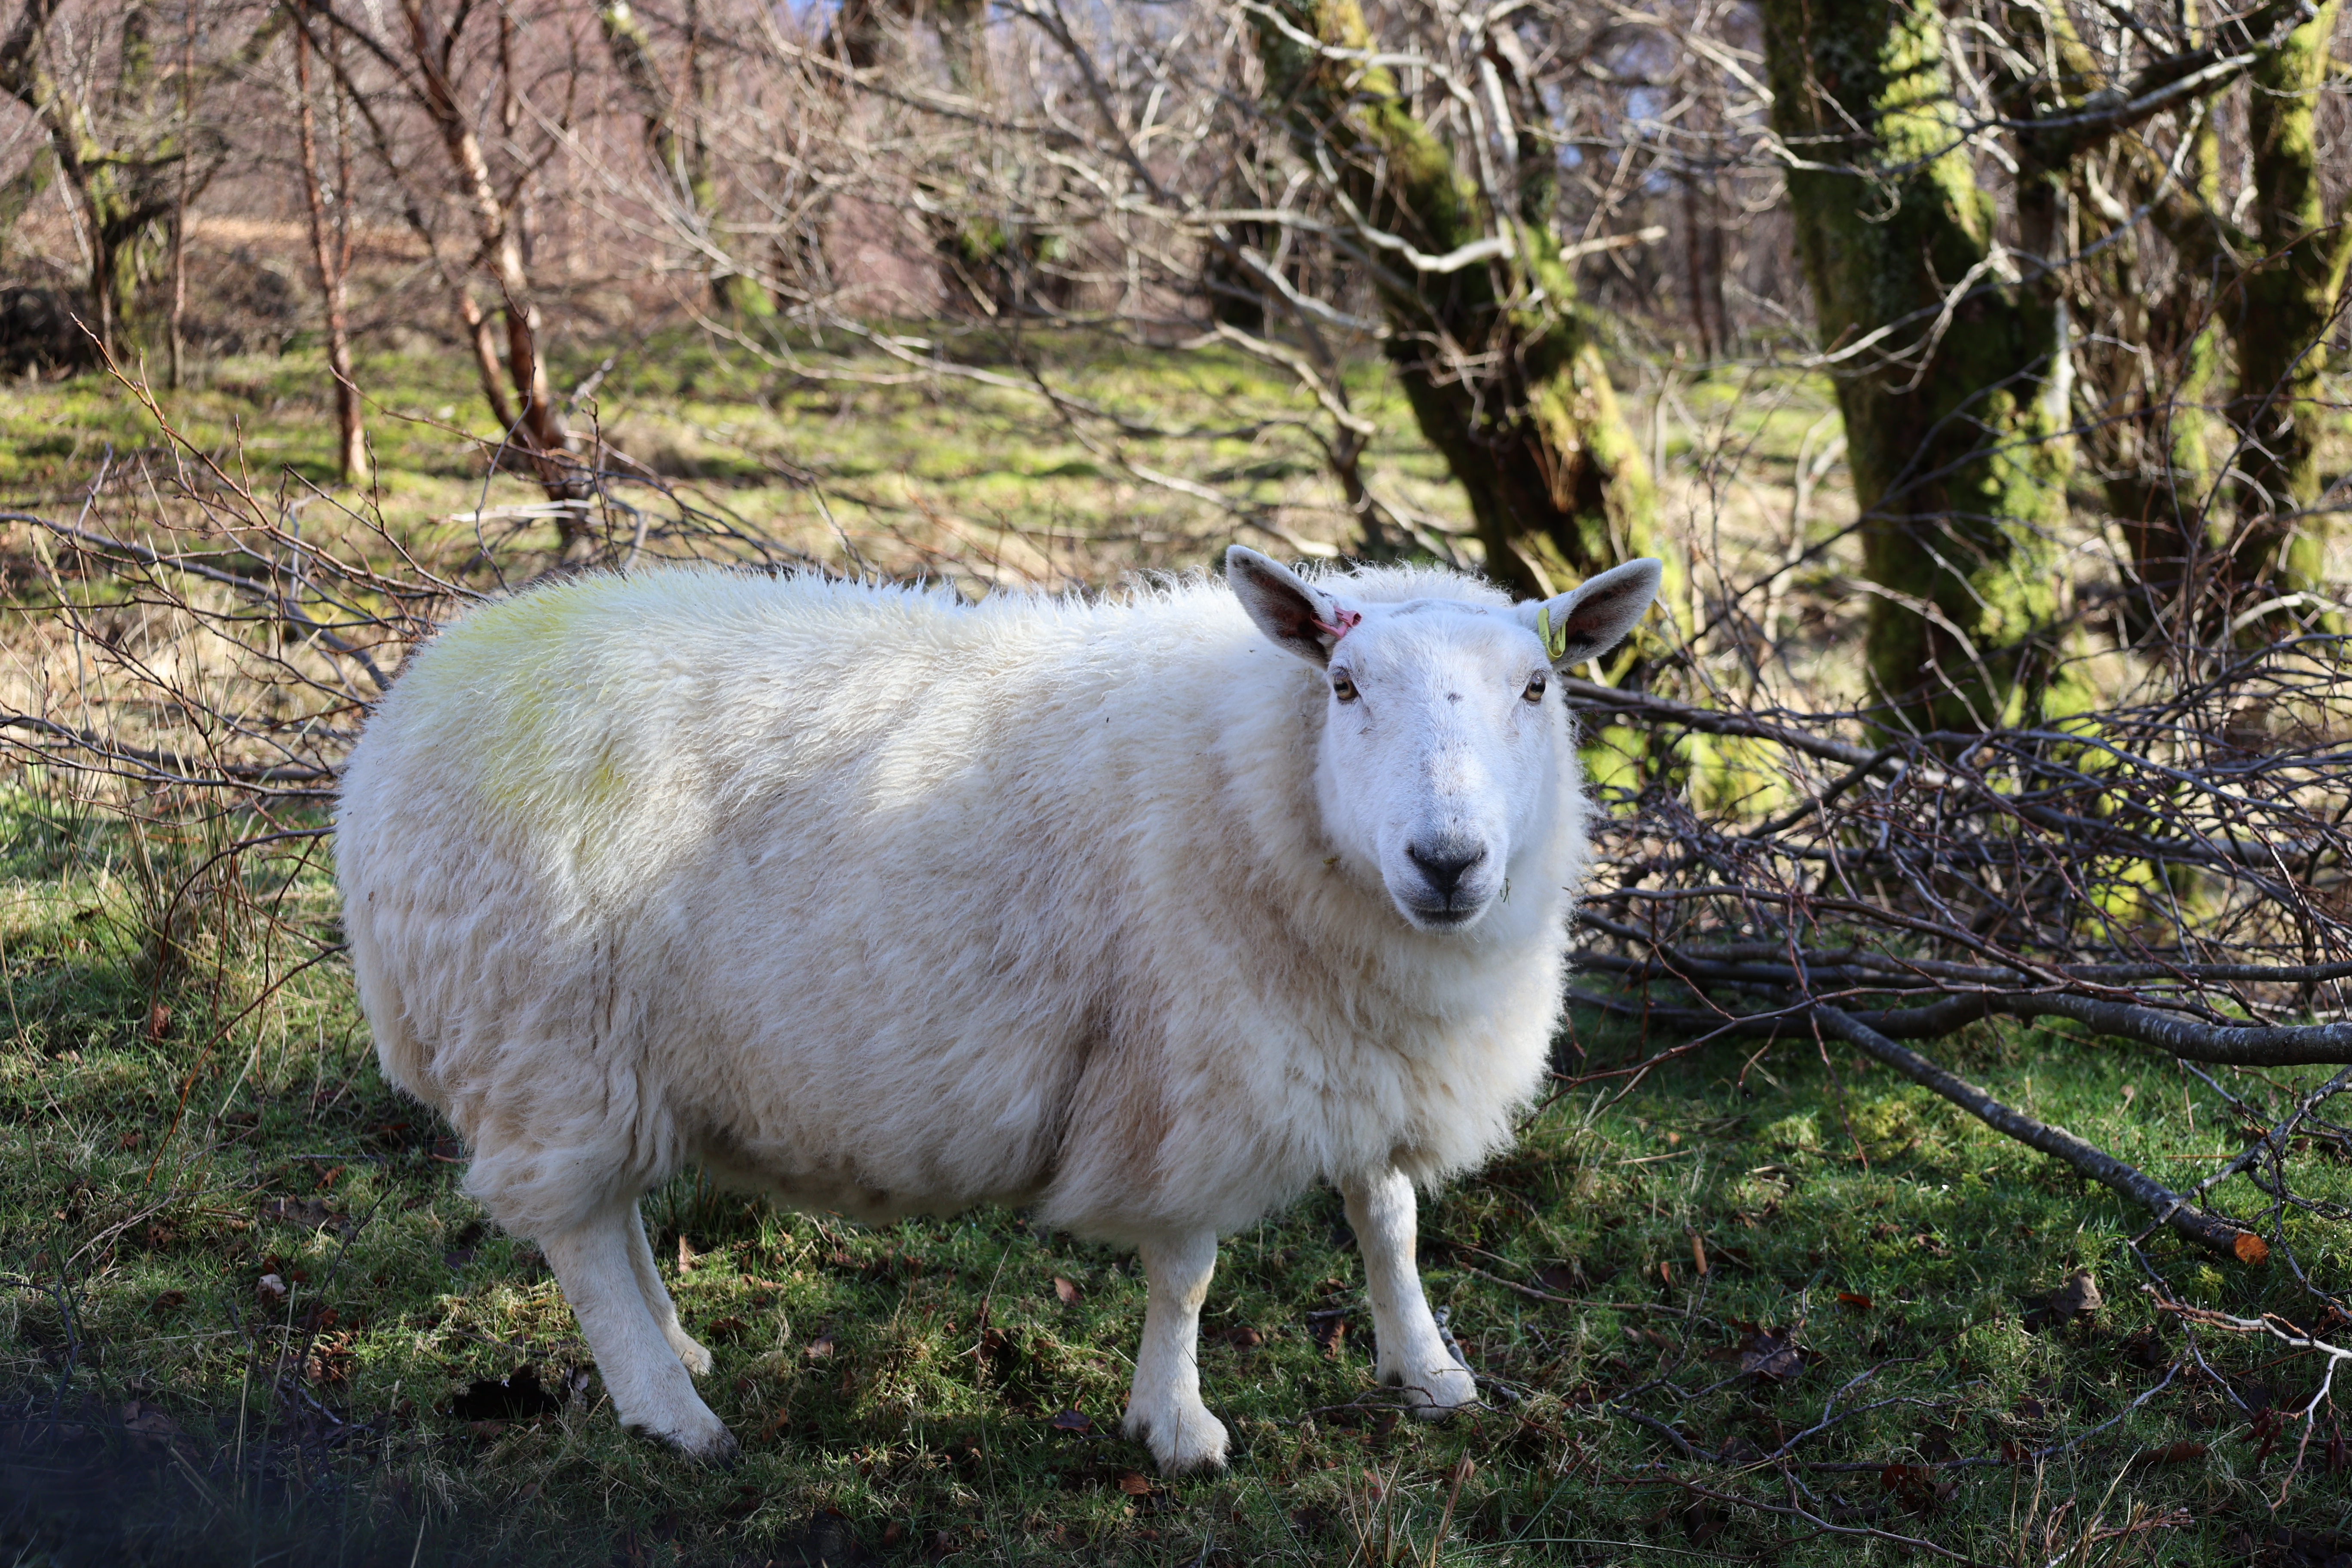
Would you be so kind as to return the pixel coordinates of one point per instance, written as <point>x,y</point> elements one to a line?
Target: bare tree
<point>331,251</point>
<point>128,157</point>
<point>434,63</point>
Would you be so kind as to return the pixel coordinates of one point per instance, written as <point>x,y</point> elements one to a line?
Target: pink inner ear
<point>1347,621</point>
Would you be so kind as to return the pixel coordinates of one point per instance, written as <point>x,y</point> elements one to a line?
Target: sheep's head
<point>1444,750</point>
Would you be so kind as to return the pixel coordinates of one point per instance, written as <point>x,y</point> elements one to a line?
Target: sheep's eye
<point>1534,693</point>
<point>1341,687</point>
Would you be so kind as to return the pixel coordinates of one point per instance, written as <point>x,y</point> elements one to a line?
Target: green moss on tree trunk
<point>1501,367</point>
<point>2286,310</point>
<point>1958,464</point>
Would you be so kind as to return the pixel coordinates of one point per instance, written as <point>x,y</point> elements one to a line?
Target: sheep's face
<point>1440,756</point>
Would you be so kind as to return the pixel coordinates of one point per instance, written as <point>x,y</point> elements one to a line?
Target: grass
<point>851,456</point>
<point>188,1122</point>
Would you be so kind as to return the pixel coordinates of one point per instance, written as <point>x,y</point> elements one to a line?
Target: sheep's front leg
<point>689,1350</point>
<point>1411,1353</point>
<point>1165,1409</point>
<point>651,1391</point>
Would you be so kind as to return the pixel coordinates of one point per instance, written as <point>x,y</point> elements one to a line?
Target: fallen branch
<point>2207,1230</point>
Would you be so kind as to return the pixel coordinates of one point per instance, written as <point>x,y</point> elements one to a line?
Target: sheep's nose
<point>1443,863</point>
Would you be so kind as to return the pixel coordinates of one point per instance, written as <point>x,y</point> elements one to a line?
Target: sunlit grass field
<point>251,1318</point>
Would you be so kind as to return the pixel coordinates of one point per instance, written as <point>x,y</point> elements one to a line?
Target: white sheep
<point>890,904</point>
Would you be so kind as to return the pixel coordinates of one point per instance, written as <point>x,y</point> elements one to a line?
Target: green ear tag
<point>1554,646</point>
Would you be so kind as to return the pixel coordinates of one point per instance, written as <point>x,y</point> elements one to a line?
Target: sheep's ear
<point>1291,611</point>
<point>1591,619</point>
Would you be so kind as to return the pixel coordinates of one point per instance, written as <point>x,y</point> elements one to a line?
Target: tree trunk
<point>680,156</point>
<point>2285,312</point>
<point>124,187</point>
<point>1958,462</point>
<point>537,425</point>
<point>1557,482</point>
<point>331,252</point>
<point>2152,366</point>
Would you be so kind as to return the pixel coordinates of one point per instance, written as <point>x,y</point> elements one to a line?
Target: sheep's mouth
<point>1452,916</point>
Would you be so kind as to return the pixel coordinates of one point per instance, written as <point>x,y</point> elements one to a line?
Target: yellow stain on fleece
<point>516,679</point>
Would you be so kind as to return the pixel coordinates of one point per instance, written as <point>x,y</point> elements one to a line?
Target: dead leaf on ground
<point>1072,1421</point>
<point>1855,1299</point>
<point>1241,1336</point>
<point>329,1359</point>
<point>2286,1548</point>
<point>1133,1485</point>
<point>1916,1488</point>
<point>1066,1290</point>
<point>825,1538</point>
<point>1702,1522</point>
<point>270,1289</point>
<point>1770,1353</point>
<point>818,1348</point>
<point>307,1212</point>
<point>2080,1294</point>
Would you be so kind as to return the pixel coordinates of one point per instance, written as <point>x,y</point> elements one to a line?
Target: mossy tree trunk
<point>1958,469</point>
<point>122,186</point>
<point>1503,370</point>
<point>2285,311</point>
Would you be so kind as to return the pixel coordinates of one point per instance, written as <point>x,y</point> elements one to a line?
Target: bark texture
<point>1504,371</point>
<point>2286,308</point>
<point>1958,467</point>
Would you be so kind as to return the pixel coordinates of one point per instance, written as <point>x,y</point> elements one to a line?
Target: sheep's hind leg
<point>1411,1353</point>
<point>1164,1408</point>
<point>649,1386</point>
<point>657,1298</point>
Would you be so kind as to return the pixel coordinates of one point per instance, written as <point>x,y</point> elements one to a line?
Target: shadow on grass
<point>85,1485</point>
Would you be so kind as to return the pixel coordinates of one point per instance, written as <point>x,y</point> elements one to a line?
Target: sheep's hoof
<point>1439,1392</point>
<point>1182,1440</point>
<point>713,1446</point>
